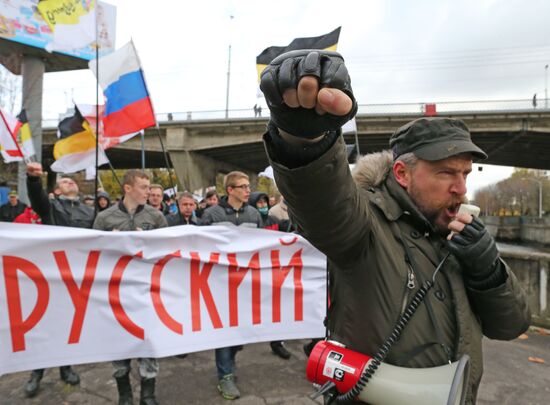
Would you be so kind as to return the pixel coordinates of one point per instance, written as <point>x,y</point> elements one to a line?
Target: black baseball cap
<point>434,139</point>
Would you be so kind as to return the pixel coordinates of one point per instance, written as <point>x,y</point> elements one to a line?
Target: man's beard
<point>432,214</point>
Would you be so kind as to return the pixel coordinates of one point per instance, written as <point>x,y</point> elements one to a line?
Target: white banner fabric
<point>71,296</point>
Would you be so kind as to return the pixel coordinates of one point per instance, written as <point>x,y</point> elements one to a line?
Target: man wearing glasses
<point>232,210</point>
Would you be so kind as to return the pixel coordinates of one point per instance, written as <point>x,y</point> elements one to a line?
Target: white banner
<point>70,296</point>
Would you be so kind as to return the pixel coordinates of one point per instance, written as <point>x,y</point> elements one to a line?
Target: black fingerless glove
<point>285,71</point>
<point>477,252</point>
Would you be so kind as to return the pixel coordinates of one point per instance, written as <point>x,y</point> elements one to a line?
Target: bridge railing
<point>442,107</point>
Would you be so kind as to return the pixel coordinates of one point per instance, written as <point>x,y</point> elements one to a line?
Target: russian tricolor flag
<point>128,107</point>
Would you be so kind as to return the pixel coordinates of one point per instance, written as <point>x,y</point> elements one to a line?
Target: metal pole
<point>546,86</point>
<point>540,198</point>
<point>540,192</point>
<point>228,72</point>
<point>142,149</point>
<point>32,70</point>
<point>97,180</point>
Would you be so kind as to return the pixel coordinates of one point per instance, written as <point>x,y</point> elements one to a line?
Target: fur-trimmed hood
<point>372,170</point>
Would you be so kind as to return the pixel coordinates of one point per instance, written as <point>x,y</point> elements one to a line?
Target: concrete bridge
<point>202,144</point>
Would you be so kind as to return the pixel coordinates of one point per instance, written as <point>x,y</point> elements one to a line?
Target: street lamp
<point>540,193</point>
<point>228,70</point>
<point>546,86</point>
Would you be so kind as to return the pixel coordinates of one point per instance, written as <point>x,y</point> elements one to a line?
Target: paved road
<point>264,379</point>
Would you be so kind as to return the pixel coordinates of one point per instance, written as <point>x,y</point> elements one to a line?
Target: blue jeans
<point>225,360</point>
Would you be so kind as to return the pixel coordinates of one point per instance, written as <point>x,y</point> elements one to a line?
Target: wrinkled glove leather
<point>476,250</point>
<point>285,71</point>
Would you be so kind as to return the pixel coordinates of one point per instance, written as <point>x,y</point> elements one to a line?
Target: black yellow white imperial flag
<point>327,42</point>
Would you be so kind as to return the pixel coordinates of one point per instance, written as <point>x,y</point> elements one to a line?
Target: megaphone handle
<point>327,389</point>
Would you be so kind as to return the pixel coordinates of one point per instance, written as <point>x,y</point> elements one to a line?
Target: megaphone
<point>389,385</point>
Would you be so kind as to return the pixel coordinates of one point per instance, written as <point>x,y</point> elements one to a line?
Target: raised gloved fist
<point>284,73</point>
<point>476,250</point>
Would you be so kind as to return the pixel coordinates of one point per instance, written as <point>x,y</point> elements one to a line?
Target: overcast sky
<point>397,51</point>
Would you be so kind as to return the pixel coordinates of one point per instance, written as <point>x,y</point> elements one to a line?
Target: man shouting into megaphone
<point>388,227</point>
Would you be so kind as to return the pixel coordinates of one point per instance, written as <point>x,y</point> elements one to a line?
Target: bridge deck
<point>511,138</point>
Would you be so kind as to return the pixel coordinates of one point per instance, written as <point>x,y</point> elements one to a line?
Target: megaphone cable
<point>379,357</point>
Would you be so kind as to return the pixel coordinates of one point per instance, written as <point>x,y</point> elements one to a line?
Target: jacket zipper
<point>411,285</point>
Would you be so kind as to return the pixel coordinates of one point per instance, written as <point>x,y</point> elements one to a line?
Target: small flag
<point>23,130</point>
<point>75,150</point>
<point>89,112</point>
<point>128,106</point>
<point>73,23</point>
<point>9,149</point>
<point>71,125</point>
<point>328,42</point>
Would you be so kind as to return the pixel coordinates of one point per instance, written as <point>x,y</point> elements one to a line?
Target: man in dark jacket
<point>260,201</point>
<point>210,199</point>
<point>385,237</point>
<point>64,210</point>
<point>232,210</point>
<point>156,199</point>
<point>103,201</point>
<point>12,209</point>
<point>186,214</point>
<point>133,214</point>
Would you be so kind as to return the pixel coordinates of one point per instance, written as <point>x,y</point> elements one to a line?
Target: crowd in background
<point>146,206</point>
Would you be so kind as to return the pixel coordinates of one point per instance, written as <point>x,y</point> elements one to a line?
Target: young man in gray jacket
<point>232,210</point>
<point>133,214</point>
<point>385,238</point>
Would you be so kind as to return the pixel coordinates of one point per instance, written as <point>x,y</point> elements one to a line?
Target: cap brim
<point>446,149</point>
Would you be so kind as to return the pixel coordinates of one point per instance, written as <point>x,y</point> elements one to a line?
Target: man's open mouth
<point>453,210</point>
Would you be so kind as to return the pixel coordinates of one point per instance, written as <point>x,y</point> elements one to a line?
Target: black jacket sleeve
<point>293,156</point>
<point>40,202</point>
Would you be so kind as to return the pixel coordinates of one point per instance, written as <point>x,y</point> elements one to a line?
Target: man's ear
<point>126,188</point>
<point>402,173</point>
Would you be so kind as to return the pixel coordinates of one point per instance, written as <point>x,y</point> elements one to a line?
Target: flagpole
<point>142,149</point>
<point>150,101</point>
<point>157,128</point>
<point>11,133</point>
<point>228,71</point>
<point>168,167</point>
<point>96,183</point>
<point>114,174</point>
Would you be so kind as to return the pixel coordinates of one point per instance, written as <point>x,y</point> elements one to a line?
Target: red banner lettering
<point>79,296</point>
<point>162,313</point>
<point>236,275</point>
<point>199,285</point>
<point>114,298</point>
<point>279,275</point>
<point>18,326</point>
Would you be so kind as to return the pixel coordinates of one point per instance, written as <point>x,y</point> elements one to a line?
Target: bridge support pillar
<point>196,171</point>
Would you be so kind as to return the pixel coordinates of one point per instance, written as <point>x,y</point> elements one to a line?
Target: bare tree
<point>516,195</point>
<point>10,90</point>
<point>10,100</point>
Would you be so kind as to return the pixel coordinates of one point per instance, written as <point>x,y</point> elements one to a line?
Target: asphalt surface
<point>510,378</point>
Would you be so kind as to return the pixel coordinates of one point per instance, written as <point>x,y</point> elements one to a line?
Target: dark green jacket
<point>362,229</point>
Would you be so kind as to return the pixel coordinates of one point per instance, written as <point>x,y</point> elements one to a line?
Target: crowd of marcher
<point>145,206</point>
<point>394,236</point>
